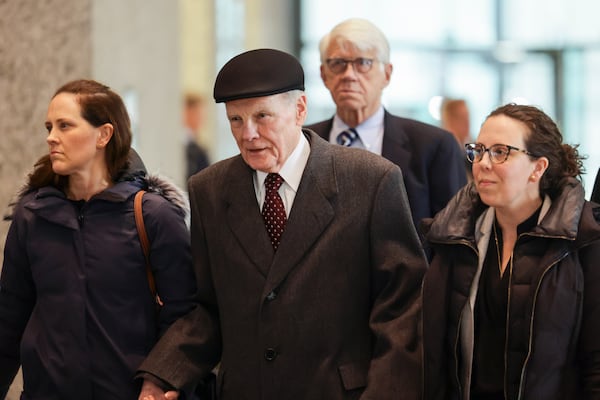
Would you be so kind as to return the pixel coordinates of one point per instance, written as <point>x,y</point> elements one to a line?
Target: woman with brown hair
<point>76,310</point>
<point>511,301</point>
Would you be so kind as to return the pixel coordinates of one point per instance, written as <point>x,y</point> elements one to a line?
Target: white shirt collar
<point>291,172</point>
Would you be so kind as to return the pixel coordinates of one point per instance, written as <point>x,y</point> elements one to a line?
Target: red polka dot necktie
<point>273,211</point>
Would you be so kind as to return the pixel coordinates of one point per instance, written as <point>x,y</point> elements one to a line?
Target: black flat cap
<point>256,73</point>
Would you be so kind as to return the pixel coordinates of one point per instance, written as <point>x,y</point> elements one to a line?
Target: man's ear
<point>301,110</point>
<point>387,69</point>
<point>323,76</point>
<point>105,134</point>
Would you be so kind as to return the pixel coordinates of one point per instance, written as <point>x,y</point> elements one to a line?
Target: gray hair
<point>293,95</point>
<point>359,34</point>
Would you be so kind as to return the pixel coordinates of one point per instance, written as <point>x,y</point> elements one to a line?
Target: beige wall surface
<point>136,51</point>
<point>40,50</point>
<point>197,40</point>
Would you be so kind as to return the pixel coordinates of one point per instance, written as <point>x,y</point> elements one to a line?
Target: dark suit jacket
<point>331,315</point>
<point>596,191</point>
<point>432,163</point>
<point>196,158</point>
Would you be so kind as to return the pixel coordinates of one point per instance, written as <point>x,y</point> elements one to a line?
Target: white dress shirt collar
<point>291,172</point>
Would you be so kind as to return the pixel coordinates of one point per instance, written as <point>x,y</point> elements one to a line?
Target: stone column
<point>40,50</point>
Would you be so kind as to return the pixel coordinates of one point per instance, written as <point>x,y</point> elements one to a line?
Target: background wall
<point>39,51</point>
<point>136,50</point>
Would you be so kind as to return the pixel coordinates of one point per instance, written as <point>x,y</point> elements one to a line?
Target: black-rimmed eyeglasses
<point>339,65</point>
<point>498,152</point>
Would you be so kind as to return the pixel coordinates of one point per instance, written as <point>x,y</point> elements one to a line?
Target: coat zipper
<point>457,341</point>
<point>510,271</point>
<point>529,346</point>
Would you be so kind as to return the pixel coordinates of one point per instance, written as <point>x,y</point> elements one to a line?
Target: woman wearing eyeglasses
<point>511,301</point>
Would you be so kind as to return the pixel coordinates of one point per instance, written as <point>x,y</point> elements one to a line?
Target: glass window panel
<point>589,136</point>
<point>551,22</point>
<point>229,16</point>
<point>468,22</point>
<point>531,82</point>
<point>469,77</point>
<point>415,80</point>
<point>460,22</point>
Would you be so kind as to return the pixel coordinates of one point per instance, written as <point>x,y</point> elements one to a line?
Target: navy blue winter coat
<point>76,310</point>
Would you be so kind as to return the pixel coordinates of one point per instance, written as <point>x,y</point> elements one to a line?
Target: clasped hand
<point>151,391</point>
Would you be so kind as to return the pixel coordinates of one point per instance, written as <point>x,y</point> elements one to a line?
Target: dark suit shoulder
<point>423,141</point>
<point>395,126</point>
<point>321,128</point>
<point>596,190</point>
<point>415,129</point>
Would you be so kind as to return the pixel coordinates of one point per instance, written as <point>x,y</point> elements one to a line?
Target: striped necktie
<point>347,137</point>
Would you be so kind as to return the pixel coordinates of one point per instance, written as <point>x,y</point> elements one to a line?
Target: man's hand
<point>150,391</point>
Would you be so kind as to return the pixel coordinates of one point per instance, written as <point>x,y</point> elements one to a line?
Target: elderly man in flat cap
<point>307,260</point>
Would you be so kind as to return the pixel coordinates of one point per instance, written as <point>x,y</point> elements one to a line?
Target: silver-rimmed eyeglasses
<point>339,65</point>
<point>498,152</point>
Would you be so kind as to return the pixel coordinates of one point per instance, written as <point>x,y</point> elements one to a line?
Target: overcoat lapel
<point>244,217</point>
<point>395,142</point>
<point>311,213</point>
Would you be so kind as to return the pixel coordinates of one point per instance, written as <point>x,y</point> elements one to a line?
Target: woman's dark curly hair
<point>545,140</point>
<point>99,105</point>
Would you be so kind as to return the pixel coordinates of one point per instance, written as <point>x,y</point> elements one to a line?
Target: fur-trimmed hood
<point>169,190</point>
<point>122,189</point>
<point>134,172</point>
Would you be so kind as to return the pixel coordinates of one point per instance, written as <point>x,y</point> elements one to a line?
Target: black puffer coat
<point>75,305</point>
<point>553,323</point>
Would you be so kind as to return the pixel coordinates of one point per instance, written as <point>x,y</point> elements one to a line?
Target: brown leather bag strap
<point>141,228</point>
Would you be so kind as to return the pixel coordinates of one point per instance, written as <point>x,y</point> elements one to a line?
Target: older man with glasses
<point>356,68</point>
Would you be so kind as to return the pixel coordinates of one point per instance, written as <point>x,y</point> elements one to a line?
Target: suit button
<point>270,354</point>
<point>271,296</point>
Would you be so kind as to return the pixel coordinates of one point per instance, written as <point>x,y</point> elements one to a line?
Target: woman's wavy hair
<point>545,140</point>
<point>99,105</point>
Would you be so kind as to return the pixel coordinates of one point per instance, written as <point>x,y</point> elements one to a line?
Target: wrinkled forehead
<point>343,45</point>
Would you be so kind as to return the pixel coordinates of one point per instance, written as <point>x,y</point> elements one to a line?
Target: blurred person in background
<point>511,300</point>
<point>196,155</point>
<point>456,120</point>
<point>356,68</point>
<point>76,309</point>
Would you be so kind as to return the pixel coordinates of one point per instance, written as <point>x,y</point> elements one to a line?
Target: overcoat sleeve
<point>398,265</point>
<point>190,348</point>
